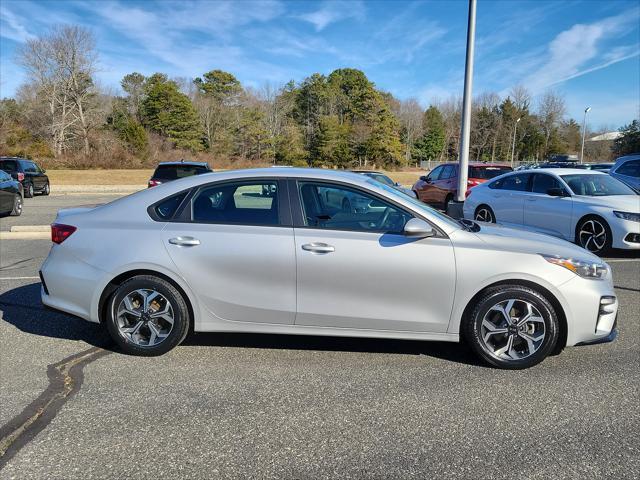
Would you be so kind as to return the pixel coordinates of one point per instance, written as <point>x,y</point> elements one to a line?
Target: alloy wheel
<point>512,329</point>
<point>17,208</point>
<point>145,317</point>
<point>484,215</point>
<point>592,235</point>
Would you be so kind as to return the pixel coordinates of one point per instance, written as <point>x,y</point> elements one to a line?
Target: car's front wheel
<point>594,234</point>
<point>512,327</point>
<point>47,189</point>
<point>147,316</point>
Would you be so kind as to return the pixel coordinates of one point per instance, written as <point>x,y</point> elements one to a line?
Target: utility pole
<point>463,168</point>
<point>513,145</point>
<point>584,132</point>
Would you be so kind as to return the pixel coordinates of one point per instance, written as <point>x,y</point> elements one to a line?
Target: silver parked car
<point>262,251</point>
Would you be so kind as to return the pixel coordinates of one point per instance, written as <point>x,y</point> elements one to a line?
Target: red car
<point>441,185</point>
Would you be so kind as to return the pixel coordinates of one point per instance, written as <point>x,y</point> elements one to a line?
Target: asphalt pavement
<point>266,406</point>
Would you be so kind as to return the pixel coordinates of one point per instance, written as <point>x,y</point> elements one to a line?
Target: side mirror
<point>423,178</point>
<point>418,229</point>
<point>556,192</point>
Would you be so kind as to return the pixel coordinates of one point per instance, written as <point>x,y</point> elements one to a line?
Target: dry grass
<point>99,177</point>
<point>141,176</point>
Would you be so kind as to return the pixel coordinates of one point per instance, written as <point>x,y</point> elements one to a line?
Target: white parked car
<point>262,251</point>
<point>591,209</point>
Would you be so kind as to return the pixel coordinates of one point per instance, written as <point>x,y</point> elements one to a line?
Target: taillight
<point>20,176</point>
<point>473,183</point>
<point>60,232</point>
<point>154,183</point>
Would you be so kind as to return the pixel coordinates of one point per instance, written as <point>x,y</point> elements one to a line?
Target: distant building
<point>605,137</point>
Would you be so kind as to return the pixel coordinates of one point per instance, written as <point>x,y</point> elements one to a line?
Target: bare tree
<point>62,64</point>
<point>551,110</point>
<point>410,114</point>
<point>521,97</point>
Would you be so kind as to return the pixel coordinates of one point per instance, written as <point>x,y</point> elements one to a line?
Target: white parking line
<point>19,278</point>
<point>618,260</point>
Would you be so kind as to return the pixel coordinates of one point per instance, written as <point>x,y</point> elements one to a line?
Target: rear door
<point>355,269</point>
<point>546,213</point>
<point>234,245</point>
<point>507,198</point>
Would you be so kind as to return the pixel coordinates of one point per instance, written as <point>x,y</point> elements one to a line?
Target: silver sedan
<point>262,251</point>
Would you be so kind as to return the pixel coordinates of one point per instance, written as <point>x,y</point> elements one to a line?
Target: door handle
<point>184,241</point>
<point>318,248</point>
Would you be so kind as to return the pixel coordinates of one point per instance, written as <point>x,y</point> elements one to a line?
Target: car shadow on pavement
<point>454,352</point>
<point>22,308</point>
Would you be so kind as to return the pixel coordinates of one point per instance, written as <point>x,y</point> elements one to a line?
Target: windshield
<point>381,178</point>
<point>173,172</point>
<point>486,173</point>
<point>392,192</point>
<point>596,185</point>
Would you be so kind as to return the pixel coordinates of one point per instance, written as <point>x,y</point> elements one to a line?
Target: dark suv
<point>167,171</point>
<point>28,173</point>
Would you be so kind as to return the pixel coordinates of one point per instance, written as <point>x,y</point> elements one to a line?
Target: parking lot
<point>263,406</point>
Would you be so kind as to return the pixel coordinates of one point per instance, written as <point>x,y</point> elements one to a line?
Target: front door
<point>236,252</point>
<point>546,213</point>
<point>355,269</point>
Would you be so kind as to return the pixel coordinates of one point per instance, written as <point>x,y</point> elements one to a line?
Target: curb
<point>25,235</point>
<point>30,228</point>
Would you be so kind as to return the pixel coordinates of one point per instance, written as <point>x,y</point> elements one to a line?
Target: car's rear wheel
<point>147,316</point>
<point>594,234</point>
<point>512,327</point>
<point>484,213</point>
<point>28,191</point>
<point>17,206</point>
<point>447,201</point>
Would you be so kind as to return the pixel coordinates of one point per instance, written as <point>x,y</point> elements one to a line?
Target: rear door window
<point>631,168</point>
<point>240,203</point>
<point>8,165</point>
<point>518,183</point>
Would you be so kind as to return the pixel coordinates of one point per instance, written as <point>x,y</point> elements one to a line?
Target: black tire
<point>416,195</point>
<point>28,191</point>
<point>447,201</point>
<point>484,211</point>
<point>592,244</point>
<point>46,190</point>
<point>181,317</point>
<point>472,327</point>
<point>17,206</point>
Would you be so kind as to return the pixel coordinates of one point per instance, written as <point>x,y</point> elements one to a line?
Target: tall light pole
<point>513,145</point>
<point>466,110</point>
<point>584,124</point>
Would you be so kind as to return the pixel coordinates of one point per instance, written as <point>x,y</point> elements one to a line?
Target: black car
<point>167,171</point>
<point>28,173</point>
<point>10,195</point>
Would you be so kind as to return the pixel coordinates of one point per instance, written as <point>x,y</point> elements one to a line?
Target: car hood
<point>522,241</point>
<point>624,203</point>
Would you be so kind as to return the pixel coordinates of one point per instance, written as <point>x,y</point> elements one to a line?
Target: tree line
<point>338,120</point>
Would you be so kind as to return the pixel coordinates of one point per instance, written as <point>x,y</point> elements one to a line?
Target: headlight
<point>583,268</point>
<point>634,217</point>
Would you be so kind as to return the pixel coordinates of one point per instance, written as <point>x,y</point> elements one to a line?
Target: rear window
<point>486,173</point>
<point>166,209</point>
<point>8,165</point>
<point>173,172</point>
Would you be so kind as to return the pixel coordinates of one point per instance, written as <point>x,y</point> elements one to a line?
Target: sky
<point>589,51</point>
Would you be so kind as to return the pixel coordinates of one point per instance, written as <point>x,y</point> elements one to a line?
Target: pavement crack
<point>65,379</point>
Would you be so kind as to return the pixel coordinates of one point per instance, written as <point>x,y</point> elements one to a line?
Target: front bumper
<point>609,338</point>
<point>625,234</point>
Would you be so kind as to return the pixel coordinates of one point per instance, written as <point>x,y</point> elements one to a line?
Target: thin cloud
<point>334,11</point>
<point>13,28</point>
